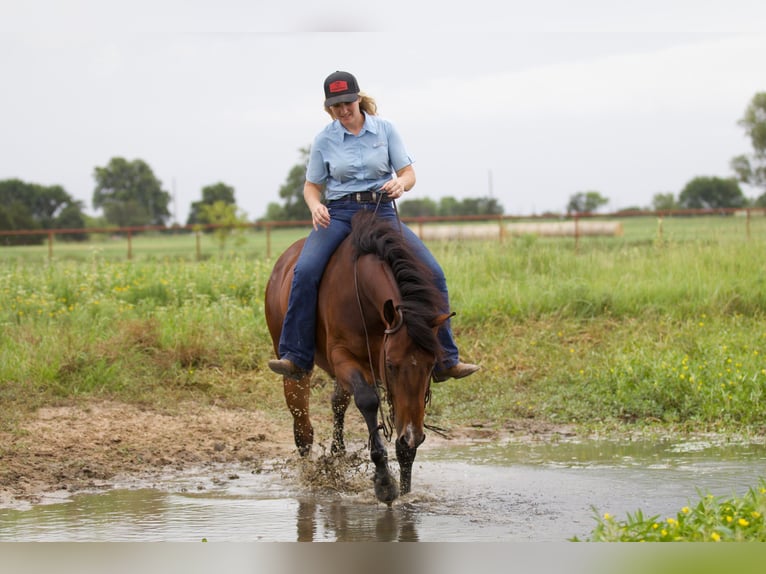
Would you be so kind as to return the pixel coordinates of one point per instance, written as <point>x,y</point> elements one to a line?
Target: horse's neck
<point>376,282</point>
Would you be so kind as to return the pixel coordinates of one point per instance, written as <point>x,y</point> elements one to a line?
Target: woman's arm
<point>312,195</point>
<point>404,181</point>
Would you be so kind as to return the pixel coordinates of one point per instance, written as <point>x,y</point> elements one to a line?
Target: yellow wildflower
<point>715,537</point>
<point>742,522</point>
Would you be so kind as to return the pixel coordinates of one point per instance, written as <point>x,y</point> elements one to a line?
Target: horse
<point>377,315</point>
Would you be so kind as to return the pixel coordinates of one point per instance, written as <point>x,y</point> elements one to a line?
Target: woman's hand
<point>320,216</point>
<point>404,180</point>
<point>393,188</point>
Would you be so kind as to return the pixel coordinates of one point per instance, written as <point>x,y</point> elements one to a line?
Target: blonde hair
<point>366,104</point>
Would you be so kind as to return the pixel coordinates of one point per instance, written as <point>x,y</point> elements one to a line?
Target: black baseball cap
<point>340,87</point>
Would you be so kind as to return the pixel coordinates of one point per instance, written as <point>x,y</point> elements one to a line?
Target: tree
<point>481,206</point>
<point>449,206</point>
<point>227,216</point>
<point>33,206</point>
<point>664,202</point>
<point>586,202</point>
<point>711,193</point>
<point>751,170</point>
<point>211,194</point>
<point>421,207</point>
<point>294,207</point>
<point>130,194</point>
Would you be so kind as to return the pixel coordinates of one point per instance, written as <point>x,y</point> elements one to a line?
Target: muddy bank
<point>72,448</point>
<point>67,449</point>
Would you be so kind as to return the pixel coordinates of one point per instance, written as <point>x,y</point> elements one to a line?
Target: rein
<point>385,422</point>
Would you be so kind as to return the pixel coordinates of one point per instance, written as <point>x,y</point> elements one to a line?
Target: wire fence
<point>267,238</point>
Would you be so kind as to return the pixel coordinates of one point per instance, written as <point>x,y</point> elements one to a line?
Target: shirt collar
<point>370,124</point>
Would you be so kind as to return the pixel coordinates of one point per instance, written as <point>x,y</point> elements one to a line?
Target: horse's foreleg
<point>297,396</point>
<point>406,456</point>
<point>340,401</point>
<point>367,401</point>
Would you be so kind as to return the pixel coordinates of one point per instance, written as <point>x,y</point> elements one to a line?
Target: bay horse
<point>377,315</point>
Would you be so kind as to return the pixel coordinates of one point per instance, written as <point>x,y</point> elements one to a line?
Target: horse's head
<point>406,366</point>
<point>404,311</point>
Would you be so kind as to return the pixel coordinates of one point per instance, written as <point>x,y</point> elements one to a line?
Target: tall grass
<point>711,519</point>
<point>630,330</point>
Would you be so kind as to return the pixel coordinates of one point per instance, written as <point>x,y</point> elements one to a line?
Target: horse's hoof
<point>304,450</point>
<point>386,490</point>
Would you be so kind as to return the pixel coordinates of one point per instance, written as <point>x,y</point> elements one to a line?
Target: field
<point>637,329</point>
<point>659,330</point>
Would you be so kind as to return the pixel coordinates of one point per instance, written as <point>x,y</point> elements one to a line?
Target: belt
<point>363,197</point>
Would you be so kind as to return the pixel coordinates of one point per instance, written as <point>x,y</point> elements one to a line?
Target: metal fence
<point>499,227</point>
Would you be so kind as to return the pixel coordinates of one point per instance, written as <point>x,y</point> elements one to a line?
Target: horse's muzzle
<point>411,438</point>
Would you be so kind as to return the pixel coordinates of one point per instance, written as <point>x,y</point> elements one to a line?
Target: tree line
<point>128,194</point>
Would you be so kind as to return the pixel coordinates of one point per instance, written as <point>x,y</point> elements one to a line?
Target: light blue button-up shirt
<point>346,163</point>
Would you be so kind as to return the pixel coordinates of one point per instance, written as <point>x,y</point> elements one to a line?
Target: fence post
<point>268,241</point>
<point>197,243</point>
<point>130,244</point>
<point>577,232</point>
<point>50,245</point>
<point>748,224</point>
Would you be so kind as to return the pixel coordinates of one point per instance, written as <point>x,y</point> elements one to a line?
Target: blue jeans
<point>297,342</point>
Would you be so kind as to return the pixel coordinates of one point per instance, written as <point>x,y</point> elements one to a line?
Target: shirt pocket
<point>378,162</point>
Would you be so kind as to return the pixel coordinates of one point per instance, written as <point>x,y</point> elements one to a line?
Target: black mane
<point>422,302</point>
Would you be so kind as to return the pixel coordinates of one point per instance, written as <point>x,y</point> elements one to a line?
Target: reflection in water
<point>542,491</point>
<point>337,520</point>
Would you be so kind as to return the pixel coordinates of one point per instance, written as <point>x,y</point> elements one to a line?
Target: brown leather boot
<point>457,371</point>
<point>287,368</point>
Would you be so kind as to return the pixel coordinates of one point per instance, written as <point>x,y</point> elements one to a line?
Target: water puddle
<point>540,491</point>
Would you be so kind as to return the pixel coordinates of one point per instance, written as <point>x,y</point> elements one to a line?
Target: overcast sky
<point>531,101</point>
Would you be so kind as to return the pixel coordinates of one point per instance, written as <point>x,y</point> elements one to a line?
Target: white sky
<point>550,97</point>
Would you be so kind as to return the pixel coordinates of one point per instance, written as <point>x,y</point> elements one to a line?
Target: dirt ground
<point>72,448</point>
<point>66,449</point>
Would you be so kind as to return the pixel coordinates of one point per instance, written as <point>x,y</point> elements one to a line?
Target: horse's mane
<point>422,302</point>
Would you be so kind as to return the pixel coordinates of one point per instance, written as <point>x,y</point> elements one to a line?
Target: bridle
<point>386,422</point>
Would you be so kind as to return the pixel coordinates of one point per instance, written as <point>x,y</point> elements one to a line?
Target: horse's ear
<point>389,312</point>
<point>441,319</point>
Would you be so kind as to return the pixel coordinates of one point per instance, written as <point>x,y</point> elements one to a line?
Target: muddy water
<point>542,491</point>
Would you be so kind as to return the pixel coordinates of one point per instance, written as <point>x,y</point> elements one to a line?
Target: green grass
<point>158,246</point>
<point>711,519</point>
<point>614,332</point>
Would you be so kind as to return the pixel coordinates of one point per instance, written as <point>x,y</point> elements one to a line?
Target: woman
<point>352,160</point>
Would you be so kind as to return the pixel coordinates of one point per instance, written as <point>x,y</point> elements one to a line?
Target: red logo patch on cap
<point>338,86</point>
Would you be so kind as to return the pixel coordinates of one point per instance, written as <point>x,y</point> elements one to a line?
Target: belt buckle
<point>358,197</point>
